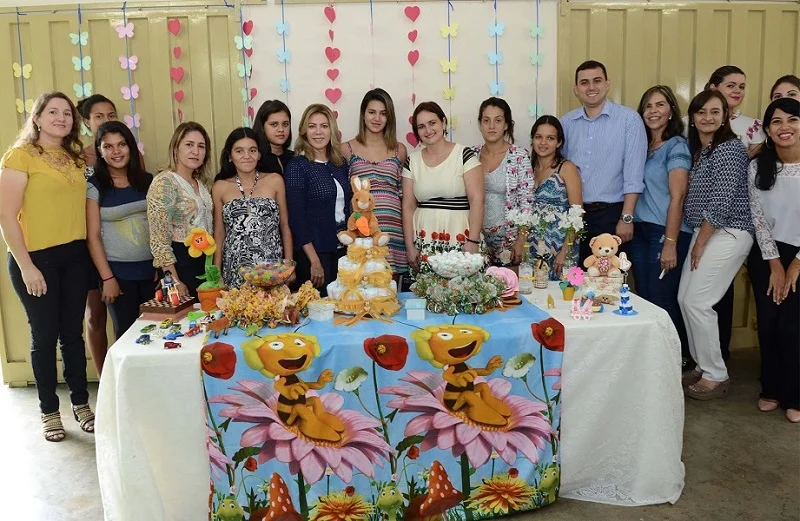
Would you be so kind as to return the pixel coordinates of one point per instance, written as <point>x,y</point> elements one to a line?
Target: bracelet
<point>670,239</point>
<point>108,278</point>
<point>473,242</point>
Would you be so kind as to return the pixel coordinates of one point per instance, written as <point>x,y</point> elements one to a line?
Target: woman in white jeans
<point>717,208</point>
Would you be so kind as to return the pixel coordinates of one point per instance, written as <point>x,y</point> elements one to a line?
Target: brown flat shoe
<point>690,377</point>
<point>767,405</point>
<point>701,392</point>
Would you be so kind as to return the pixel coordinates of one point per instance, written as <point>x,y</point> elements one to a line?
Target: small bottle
<point>526,270</point>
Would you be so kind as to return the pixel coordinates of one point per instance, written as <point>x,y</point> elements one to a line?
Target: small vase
<point>568,293</point>
<point>542,279</point>
<point>208,298</point>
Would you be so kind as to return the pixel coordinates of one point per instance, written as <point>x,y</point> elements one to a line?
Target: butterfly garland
<point>82,62</point>
<point>496,30</point>
<point>244,43</point>
<point>129,63</point>
<point>412,12</point>
<point>449,64</point>
<point>537,32</point>
<point>23,72</point>
<point>283,29</point>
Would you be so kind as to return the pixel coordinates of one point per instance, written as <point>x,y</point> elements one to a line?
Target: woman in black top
<point>273,126</point>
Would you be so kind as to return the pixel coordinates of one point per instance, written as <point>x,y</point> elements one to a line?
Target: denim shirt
<point>653,204</point>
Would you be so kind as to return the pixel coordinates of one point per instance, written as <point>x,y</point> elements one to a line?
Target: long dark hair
<point>768,163</point>
<point>675,124</point>
<point>267,109</point>
<point>718,76</point>
<point>723,133</point>
<point>554,122</point>
<point>227,169</point>
<point>390,130</point>
<point>502,105</point>
<point>85,105</point>
<point>137,177</point>
<point>433,108</point>
<point>71,143</point>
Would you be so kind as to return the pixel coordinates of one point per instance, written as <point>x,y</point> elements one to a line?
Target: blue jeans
<point>645,255</point>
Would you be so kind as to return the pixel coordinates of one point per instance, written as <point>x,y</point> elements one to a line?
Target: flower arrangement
<point>573,280</point>
<point>250,305</point>
<point>476,294</point>
<point>439,242</point>
<point>571,223</point>
<point>456,263</point>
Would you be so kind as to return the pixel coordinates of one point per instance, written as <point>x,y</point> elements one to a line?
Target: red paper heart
<point>248,52</point>
<point>412,139</point>
<point>253,93</point>
<point>247,27</point>
<point>333,95</point>
<point>333,74</point>
<point>251,112</point>
<point>330,34</point>
<point>411,120</point>
<point>413,57</point>
<point>330,14</point>
<point>176,73</point>
<point>332,53</point>
<point>413,99</point>
<point>180,116</point>
<point>177,51</point>
<point>412,35</point>
<point>336,115</point>
<point>412,12</point>
<point>178,96</point>
<point>174,26</point>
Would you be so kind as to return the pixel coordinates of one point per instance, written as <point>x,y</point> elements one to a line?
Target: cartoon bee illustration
<point>282,357</point>
<point>450,346</point>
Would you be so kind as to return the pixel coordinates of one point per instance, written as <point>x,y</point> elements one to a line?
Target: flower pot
<point>568,293</point>
<point>208,298</point>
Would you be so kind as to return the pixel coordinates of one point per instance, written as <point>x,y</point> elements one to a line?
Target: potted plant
<point>573,280</point>
<point>200,242</point>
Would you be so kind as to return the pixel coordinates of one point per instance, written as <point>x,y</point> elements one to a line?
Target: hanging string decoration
<point>244,43</point>
<point>412,12</point>
<point>130,92</point>
<point>537,32</point>
<point>449,65</point>
<point>176,72</point>
<point>82,62</point>
<point>496,30</point>
<point>23,72</point>
<point>332,93</point>
<point>284,56</point>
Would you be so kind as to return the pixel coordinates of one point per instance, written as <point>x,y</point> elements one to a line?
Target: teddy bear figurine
<point>604,260</point>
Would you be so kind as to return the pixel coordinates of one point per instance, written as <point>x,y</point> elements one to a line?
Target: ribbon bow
<point>358,253</point>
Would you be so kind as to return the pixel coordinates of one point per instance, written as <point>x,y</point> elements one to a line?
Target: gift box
<point>606,289</point>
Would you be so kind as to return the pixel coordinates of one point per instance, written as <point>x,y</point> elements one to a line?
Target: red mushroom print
<point>281,507</point>
<point>441,494</point>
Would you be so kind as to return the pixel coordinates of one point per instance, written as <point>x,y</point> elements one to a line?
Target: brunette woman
<point>273,126</point>
<point>785,87</point>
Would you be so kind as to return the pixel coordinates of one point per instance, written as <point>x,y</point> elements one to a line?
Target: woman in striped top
<point>376,155</point>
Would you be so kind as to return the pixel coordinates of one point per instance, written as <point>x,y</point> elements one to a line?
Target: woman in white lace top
<point>774,266</point>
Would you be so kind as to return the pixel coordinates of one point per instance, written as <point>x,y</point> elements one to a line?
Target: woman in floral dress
<point>509,181</point>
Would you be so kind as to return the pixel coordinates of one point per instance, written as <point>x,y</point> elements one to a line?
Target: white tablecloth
<point>621,430</point>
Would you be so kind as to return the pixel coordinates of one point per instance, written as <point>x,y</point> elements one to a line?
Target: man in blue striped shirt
<point>608,143</point>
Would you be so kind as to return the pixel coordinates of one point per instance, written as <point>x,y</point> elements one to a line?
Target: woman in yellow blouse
<point>178,201</point>
<point>43,221</point>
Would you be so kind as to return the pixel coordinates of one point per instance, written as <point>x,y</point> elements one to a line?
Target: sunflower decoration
<point>341,506</point>
<point>200,242</point>
<point>502,494</point>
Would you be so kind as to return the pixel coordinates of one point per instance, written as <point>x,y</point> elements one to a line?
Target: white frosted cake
<point>364,281</point>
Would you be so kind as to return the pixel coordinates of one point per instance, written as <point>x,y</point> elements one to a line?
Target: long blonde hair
<point>303,148</point>
<point>71,143</point>
<point>177,137</point>
<point>390,130</point>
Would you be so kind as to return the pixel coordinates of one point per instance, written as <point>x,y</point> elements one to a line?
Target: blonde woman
<point>318,196</point>
<point>178,201</point>
<point>43,221</point>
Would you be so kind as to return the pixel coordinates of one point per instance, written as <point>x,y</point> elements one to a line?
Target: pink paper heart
<point>253,93</point>
<point>251,112</point>
<point>333,74</point>
<point>174,26</point>
<point>413,98</point>
<point>333,95</point>
<point>330,34</point>
<point>412,35</point>
<point>180,116</point>
<point>176,52</point>
<point>413,57</point>
<point>412,139</point>
<point>176,73</point>
<point>247,27</point>
<point>332,53</point>
<point>336,115</point>
<point>412,12</point>
<point>249,52</point>
<point>178,96</point>
<point>330,14</point>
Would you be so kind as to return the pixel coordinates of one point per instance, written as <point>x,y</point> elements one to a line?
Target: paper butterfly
<point>496,58</point>
<point>244,69</point>
<point>247,42</point>
<point>452,123</point>
<point>24,107</point>
<point>85,63</point>
<point>449,30</point>
<point>449,93</point>
<point>245,95</point>
<point>128,63</point>
<point>125,31</point>
<point>140,146</point>
<point>85,131</point>
<point>246,121</point>
<point>284,56</point>
<point>536,58</point>
<point>449,66</point>
<point>537,31</point>
<point>497,88</point>
<point>82,37</point>
<point>24,71</point>
<point>133,122</point>
<point>497,29</point>
<point>282,28</point>
<point>130,92</point>
<point>81,91</point>
<point>285,86</point>
<point>533,110</point>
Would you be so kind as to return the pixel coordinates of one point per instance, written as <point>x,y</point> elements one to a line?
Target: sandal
<point>699,391</point>
<point>52,428</point>
<point>690,377</point>
<point>767,405</point>
<point>84,416</point>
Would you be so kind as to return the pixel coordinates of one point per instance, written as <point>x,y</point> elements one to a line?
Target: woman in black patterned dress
<point>251,222</point>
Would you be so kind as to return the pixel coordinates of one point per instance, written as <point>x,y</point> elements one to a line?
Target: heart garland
<point>244,43</point>
<point>333,94</point>
<point>537,32</point>
<point>129,63</point>
<point>284,56</point>
<point>177,72</point>
<point>412,12</point>
<point>496,30</point>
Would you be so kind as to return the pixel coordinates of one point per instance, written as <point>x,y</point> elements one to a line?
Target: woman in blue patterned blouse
<point>318,196</point>
<point>660,237</point>
<point>717,208</point>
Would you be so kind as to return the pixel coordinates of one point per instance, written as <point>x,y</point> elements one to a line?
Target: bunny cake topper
<point>362,223</point>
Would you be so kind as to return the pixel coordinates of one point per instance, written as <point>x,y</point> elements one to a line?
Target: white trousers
<point>702,288</point>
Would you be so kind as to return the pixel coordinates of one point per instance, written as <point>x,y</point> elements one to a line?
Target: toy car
<point>193,331</point>
<point>148,328</point>
<point>192,324</point>
<point>175,327</point>
<point>171,345</point>
<point>172,335</point>
<point>166,323</point>
<point>144,340</point>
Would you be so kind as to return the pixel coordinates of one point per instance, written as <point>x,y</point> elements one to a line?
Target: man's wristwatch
<point>626,218</point>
